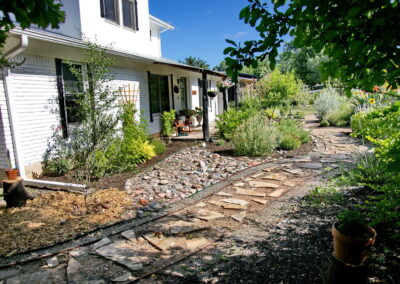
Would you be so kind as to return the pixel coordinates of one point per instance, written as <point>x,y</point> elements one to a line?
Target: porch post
<point>206,130</point>
<point>225,99</point>
<point>236,94</point>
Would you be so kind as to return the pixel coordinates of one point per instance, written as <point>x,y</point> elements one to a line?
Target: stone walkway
<point>146,249</point>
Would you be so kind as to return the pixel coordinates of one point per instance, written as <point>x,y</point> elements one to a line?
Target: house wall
<point>108,33</point>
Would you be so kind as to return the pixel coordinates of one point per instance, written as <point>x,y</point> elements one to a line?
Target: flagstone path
<point>144,250</point>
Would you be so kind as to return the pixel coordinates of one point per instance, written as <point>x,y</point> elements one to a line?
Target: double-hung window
<point>159,94</point>
<point>110,10</point>
<point>129,14</point>
<point>72,90</point>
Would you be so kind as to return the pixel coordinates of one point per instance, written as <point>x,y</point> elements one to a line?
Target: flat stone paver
<point>223,193</point>
<point>261,201</point>
<point>275,176</point>
<point>255,183</point>
<point>250,192</point>
<point>276,193</point>
<point>183,227</point>
<point>130,235</point>
<point>239,217</point>
<point>121,252</point>
<point>102,242</point>
<point>208,215</point>
<point>235,201</point>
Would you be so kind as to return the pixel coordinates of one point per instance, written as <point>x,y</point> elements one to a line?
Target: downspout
<point>12,116</point>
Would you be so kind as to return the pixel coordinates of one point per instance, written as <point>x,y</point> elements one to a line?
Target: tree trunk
<point>15,193</point>
<point>225,99</point>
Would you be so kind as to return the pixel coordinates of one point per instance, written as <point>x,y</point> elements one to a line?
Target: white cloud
<point>236,35</point>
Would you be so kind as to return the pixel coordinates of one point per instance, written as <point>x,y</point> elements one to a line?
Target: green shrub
<point>230,120</point>
<point>168,119</point>
<point>327,101</point>
<point>324,123</point>
<point>57,166</point>
<point>324,195</point>
<point>255,137</point>
<point>271,113</point>
<point>342,115</point>
<point>159,146</point>
<point>289,142</point>
<point>351,223</point>
<point>292,127</point>
<point>279,88</point>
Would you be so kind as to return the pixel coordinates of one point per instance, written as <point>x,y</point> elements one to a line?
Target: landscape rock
<point>122,253</point>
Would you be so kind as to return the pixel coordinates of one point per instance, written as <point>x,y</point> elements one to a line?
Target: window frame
<point>133,14</point>
<point>159,94</point>
<point>117,12</point>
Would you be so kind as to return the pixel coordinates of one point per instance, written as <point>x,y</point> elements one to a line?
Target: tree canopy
<point>195,61</point>
<point>361,37</point>
<point>42,13</point>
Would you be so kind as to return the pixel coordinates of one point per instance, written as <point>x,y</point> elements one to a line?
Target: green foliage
<point>195,61</point>
<point>29,12</point>
<point>230,120</point>
<point>333,109</point>
<point>303,62</point>
<point>271,113</point>
<point>360,44</point>
<point>294,128</point>
<point>219,142</point>
<point>324,195</point>
<point>168,119</point>
<point>57,166</point>
<point>255,137</point>
<point>159,146</point>
<point>289,142</point>
<point>351,223</point>
<point>278,89</point>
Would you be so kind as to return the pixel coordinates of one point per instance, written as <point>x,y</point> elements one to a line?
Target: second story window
<point>110,10</point>
<point>129,14</point>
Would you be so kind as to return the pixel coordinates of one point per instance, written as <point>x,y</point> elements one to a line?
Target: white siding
<point>35,94</point>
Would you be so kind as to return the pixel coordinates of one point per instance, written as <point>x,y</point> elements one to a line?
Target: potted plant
<point>352,238</point>
<point>212,94</point>
<point>223,85</point>
<point>199,115</point>
<point>168,119</point>
<point>11,173</point>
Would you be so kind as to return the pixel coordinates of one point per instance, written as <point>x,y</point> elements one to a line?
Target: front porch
<point>196,133</point>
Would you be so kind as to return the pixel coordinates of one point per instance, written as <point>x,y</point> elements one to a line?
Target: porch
<point>195,133</point>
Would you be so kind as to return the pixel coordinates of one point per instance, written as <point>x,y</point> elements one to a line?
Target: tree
<point>220,67</point>
<point>303,62</point>
<point>42,13</point>
<point>261,69</point>
<point>360,37</point>
<point>195,61</point>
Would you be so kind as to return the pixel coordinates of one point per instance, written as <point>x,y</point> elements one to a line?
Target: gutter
<point>12,116</point>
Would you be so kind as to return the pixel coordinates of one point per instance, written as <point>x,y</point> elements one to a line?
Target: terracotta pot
<point>349,249</point>
<point>12,174</point>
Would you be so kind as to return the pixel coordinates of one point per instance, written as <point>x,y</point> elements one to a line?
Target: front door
<point>183,93</point>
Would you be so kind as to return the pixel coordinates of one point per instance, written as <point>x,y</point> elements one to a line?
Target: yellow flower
<point>372,101</point>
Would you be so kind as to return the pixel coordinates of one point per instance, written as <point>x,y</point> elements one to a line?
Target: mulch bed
<point>58,216</point>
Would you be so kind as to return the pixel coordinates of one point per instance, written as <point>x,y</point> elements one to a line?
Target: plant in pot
<point>352,238</point>
<point>223,85</point>
<point>199,115</point>
<point>11,173</point>
<point>168,119</point>
<point>192,117</point>
<point>182,114</point>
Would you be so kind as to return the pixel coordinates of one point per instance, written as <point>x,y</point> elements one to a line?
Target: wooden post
<point>236,94</point>
<point>15,193</point>
<point>225,99</point>
<point>206,130</point>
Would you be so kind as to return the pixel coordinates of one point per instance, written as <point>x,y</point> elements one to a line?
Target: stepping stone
<point>294,171</point>
<point>239,184</point>
<point>276,193</point>
<point>52,262</point>
<point>302,159</point>
<point>289,183</point>
<point>257,175</point>
<point>8,273</point>
<point>208,215</point>
<point>38,277</point>
<point>311,166</point>
<point>235,201</point>
<point>269,169</point>
<point>240,216</point>
<point>263,184</point>
<point>340,157</point>
<point>215,202</point>
<point>248,179</point>
<point>196,243</point>
<point>287,165</point>
<point>102,242</point>
<point>183,227</point>
<point>161,242</point>
<point>222,193</point>
<point>130,235</point>
<point>79,252</point>
<point>249,192</point>
<point>234,206</point>
<point>122,253</point>
<point>328,161</point>
<point>333,166</point>
<point>200,204</point>
<point>124,277</point>
<point>261,201</point>
<point>77,275</point>
<point>275,177</point>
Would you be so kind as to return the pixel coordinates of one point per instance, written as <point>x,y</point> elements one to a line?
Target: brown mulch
<point>58,216</point>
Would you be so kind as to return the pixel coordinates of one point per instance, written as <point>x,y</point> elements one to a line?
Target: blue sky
<point>201,27</point>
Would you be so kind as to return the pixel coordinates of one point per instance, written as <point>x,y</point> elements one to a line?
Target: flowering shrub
<point>225,84</point>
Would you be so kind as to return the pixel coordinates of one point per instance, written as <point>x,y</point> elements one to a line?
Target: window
<point>159,95</point>
<point>72,88</point>
<point>183,92</point>
<point>129,14</point>
<point>110,10</point>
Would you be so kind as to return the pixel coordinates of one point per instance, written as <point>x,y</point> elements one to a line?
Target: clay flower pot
<point>351,249</point>
<point>12,174</point>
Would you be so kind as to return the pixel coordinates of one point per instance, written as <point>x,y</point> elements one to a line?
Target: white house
<point>33,97</point>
